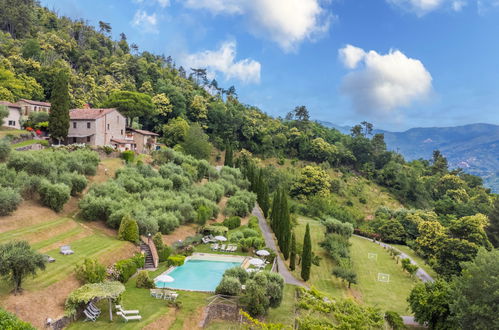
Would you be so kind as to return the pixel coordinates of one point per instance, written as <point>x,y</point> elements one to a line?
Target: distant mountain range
<point>474,147</point>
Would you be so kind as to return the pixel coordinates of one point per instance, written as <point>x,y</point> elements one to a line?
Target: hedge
<point>176,260</point>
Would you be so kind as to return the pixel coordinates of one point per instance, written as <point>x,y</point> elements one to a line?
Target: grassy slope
<point>25,143</point>
<point>4,131</point>
<point>387,296</point>
<point>150,309</point>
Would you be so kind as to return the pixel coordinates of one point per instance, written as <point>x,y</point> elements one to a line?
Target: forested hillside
<point>447,216</point>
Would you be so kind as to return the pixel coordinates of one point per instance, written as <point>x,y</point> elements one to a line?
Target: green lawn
<point>285,313</point>
<point>150,308</point>
<point>421,263</point>
<point>8,131</point>
<point>91,246</point>
<point>25,143</point>
<point>386,296</point>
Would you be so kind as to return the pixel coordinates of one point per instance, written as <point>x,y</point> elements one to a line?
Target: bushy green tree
<point>11,322</point>
<point>143,280</point>
<point>18,260</point>
<point>129,230</point>
<point>90,271</point>
<point>59,110</point>
<point>229,156</point>
<point>196,143</point>
<point>493,228</point>
<point>54,195</point>
<point>430,304</point>
<point>346,274</point>
<point>130,104</point>
<point>475,294</point>
<point>306,255</point>
<point>9,200</point>
<point>229,286</point>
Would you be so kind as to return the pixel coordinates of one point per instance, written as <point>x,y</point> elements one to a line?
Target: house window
<point>88,138</point>
<point>121,132</point>
<point>74,140</point>
<point>88,125</point>
<point>12,123</point>
<point>74,124</point>
<point>108,127</point>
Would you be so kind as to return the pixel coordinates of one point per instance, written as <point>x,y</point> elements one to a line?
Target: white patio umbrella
<point>263,253</point>
<point>165,278</point>
<point>221,238</point>
<point>256,262</point>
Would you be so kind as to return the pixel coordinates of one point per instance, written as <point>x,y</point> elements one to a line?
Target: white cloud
<point>384,83</point>
<point>351,56</point>
<point>286,22</point>
<point>224,61</point>
<point>145,22</point>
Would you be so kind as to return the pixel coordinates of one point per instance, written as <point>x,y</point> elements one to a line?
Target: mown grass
<point>26,143</point>
<point>285,313</point>
<point>150,309</point>
<point>4,131</point>
<point>386,296</point>
<point>420,261</point>
<point>18,234</point>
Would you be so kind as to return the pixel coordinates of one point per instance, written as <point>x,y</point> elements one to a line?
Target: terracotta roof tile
<point>8,104</point>
<point>43,104</point>
<point>143,132</point>
<point>89,113</point>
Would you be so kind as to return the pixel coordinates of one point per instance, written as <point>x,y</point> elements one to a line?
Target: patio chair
<point>170,295</point>
<point>93,309</point>
<point>234,248</point>
<point>215,247</point>
<point>206,240</point>
<point>89,316</point>
<point>127,312</point>
<point>66,250</point>
<point>129,317</point>
<point>156,293</point>
<point>222,248</point>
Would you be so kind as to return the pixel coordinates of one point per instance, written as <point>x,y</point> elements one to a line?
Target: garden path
<point>269,241</point>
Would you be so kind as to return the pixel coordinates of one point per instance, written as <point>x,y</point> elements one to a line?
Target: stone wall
<point>34,146</point>
<point>224,312</point>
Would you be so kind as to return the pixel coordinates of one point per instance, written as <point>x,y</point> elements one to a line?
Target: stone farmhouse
<point>20,111</point>
<point>143,141</point>
<point>13,120</point>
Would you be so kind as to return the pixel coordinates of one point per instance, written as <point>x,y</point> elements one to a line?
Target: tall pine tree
<point>292,257</point>
<point>59,110</point>
<point>306,256</point>
<point>229,156</point>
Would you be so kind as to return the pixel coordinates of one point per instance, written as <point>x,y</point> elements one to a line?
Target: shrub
<point>75,181</point>
<point>229,286</point>
<point>232,222</point>
<point>126,268</point>
<point>338,227</point>
<point>4,150</point>
<point>139,259</point>
<point>203,214</point>
<point>90,271</point>
<point>236,236</point>
<point>11,322</point>
<point>250,233</point>
<point>143,280</point>
<point>215,230</point>
<point>253,222</point>
<point>176,260</point>
<point>128,156</point>
<point>9,200</point>
<point>54,195</point>
<point>164,253</point>
<point>394,320</point>
<point>237,272</point>
<point>129,230</point>
<point>157,239</point>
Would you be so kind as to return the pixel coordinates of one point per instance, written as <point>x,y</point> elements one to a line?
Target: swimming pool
<point>197,275</point>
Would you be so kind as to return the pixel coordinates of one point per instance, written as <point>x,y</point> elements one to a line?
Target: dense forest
<point>449,215</point>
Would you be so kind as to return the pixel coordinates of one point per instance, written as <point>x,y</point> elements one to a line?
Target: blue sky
<point>395,63</point>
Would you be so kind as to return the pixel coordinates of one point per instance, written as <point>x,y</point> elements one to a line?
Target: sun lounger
<point>90,316</point>
<point>129,317</point>
<point>126,312</point>
<point>66,250</point>
<point>170,295</point>
<point>233,249</point>
<point>214,247</point>
<point>222,248</point>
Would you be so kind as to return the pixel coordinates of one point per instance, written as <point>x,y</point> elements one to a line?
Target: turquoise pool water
<point>197,275</point>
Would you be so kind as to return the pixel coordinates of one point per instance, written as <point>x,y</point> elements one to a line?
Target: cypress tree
<point>229,156</point>
<point>265,201</point>
<point>285,228</point>
<point>59,110</point>
<point>292,257</point>
<point>306,256</point>
<point>493,228</point>
<point>276,208</point>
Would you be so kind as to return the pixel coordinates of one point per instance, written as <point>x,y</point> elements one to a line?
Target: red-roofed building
<point>143,141</point>
<point>97,127</point>
<point>29,106</point>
